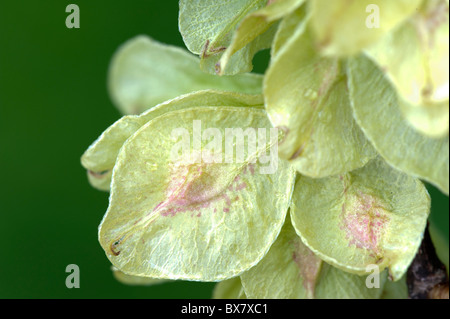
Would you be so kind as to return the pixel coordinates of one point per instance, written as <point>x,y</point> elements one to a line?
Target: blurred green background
<point>53,104</point>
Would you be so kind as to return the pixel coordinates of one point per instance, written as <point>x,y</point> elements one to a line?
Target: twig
<point>427,277</point>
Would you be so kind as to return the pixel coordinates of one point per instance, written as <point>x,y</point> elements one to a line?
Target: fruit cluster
<point>358,91</point>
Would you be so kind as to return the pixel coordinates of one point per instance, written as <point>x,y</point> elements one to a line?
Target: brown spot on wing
<point>298,152</point>
<point>98,174</point>
<point>113,247</point>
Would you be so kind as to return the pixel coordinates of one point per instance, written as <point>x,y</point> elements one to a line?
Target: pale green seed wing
<point>102,153</point>
<point>415,59</point>
<point>175,219</point>
<point>373,215</point>
<point>431,120</point>
<point>395,289</point>
<point>207,27</point>
<point>135,280</point>
<point>229,289</point>
<point>344,27</point>
<point>100,157</point>
<point>254,25</point>
<point>337,284</point>
<point>306,96</point>
<point>100,180</point>
<point>242,294</point>
<point>287,28</point>
<point>144,73</point>
<point>290,270</point>
<point>415,55</point>
<point>377,111</point>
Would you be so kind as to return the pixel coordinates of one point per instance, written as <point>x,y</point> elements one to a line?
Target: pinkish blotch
<point>364,221</point>
<point>194,187</point>
<point>309,266</point>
